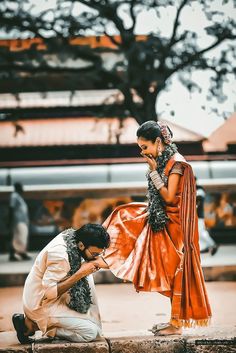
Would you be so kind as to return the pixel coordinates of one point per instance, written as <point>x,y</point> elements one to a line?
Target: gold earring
<point>159,151</point>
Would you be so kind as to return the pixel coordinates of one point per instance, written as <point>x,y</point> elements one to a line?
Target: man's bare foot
<point>169,330</point>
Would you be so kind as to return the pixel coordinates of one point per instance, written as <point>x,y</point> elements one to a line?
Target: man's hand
<point>87,268</point>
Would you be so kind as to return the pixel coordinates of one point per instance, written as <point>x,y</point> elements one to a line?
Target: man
<point>206,243</point>
<point>19,225</point>
<point>59,295</point>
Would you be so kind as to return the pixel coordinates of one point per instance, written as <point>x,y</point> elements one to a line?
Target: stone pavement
<point>221,266</point>
<point>215,340</point>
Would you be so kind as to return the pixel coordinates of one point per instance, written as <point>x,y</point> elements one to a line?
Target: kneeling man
<point>59,295</point>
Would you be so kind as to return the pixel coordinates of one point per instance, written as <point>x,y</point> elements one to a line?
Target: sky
<point>188,107</point>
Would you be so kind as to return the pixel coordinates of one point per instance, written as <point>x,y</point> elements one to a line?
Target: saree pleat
<point>193,308</point>
<point>167,261</point>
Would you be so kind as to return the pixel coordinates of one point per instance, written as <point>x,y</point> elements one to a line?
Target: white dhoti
<point>58,320</point>
<point>76,329</point>
<point>20,237</point>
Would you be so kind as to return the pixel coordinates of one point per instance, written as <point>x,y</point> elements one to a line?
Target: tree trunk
<point>149,107</point>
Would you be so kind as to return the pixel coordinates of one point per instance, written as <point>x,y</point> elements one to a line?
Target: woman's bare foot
<point>169,330</point>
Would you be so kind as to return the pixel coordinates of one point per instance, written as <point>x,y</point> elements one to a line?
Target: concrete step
<point>220,267</point>
<point>217,273</point>
<point>213,339</point>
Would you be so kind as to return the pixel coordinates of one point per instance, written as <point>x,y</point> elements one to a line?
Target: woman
<point>155,245</point>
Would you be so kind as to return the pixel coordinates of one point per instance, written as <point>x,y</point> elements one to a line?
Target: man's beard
<point>83,255</point>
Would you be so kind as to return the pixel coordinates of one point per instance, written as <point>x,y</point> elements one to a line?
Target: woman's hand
<point>150,160</point>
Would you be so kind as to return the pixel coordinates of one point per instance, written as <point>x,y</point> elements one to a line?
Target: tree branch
<point>112,39</point>
<point>132,15</point>
<point>191,58</point>
<point>176,23</point>
<point>108,12</point>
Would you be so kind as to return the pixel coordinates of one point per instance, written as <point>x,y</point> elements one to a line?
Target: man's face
<point>91,252</point>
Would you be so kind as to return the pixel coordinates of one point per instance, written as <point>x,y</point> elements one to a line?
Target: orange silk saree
<point>167,261</point>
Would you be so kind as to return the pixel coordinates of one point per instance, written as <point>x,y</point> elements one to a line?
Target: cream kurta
<point>40,298</point>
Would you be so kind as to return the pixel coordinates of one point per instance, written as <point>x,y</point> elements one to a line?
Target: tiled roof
<point>223,135</point>
<point>78,131</point>
<point>60,99</point>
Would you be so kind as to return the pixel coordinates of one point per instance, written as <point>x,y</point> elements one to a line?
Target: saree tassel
<point>190,323</point>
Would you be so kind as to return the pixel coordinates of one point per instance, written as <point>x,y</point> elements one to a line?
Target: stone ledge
<point>210,347</point>
<point>216,273</point>
<point>215,340</point>
<point>220,273</point>
<point>56,346</point>
<point>222,340</point>
<point>12,279</point>
<point>147,344</point>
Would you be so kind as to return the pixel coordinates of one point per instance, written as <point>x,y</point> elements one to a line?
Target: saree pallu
<point>167,261</point>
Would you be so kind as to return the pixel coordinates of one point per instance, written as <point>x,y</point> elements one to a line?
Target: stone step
<point>213,339</point>
<point>217,273</point>
<point>220,267</point>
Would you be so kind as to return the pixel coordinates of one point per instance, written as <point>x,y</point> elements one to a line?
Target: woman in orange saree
<point>155,244</point>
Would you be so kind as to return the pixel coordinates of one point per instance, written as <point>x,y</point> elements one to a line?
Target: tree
<point>146,67</point>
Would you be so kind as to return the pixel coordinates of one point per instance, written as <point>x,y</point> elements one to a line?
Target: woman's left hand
<point>151,161</point>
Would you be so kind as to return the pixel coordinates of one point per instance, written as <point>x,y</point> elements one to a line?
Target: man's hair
<point>18,187</point>
<point>93,235</point>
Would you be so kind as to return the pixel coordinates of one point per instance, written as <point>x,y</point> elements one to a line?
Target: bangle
<point>156,179</point>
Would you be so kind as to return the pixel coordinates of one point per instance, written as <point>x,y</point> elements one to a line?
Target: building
<point>223,139</point>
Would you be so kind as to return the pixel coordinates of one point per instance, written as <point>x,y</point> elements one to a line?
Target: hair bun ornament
<point>166,133</point>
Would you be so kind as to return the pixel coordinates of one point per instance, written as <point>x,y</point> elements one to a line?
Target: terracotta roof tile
<point>223,135</point>
<point>78,131</point>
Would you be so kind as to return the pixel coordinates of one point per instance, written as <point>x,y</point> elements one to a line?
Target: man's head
<point>18,188</point>
<point>92,240</point>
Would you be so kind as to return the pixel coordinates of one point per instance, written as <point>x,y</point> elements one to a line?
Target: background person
<point>19,225</point>
<point>224,211</point>
<point>207,244</point>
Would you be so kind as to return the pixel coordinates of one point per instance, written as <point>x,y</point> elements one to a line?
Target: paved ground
<point>128,314</point>
<point>125,312</point>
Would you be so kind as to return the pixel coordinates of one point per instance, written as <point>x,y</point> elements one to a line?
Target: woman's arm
<point>169,194</point>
